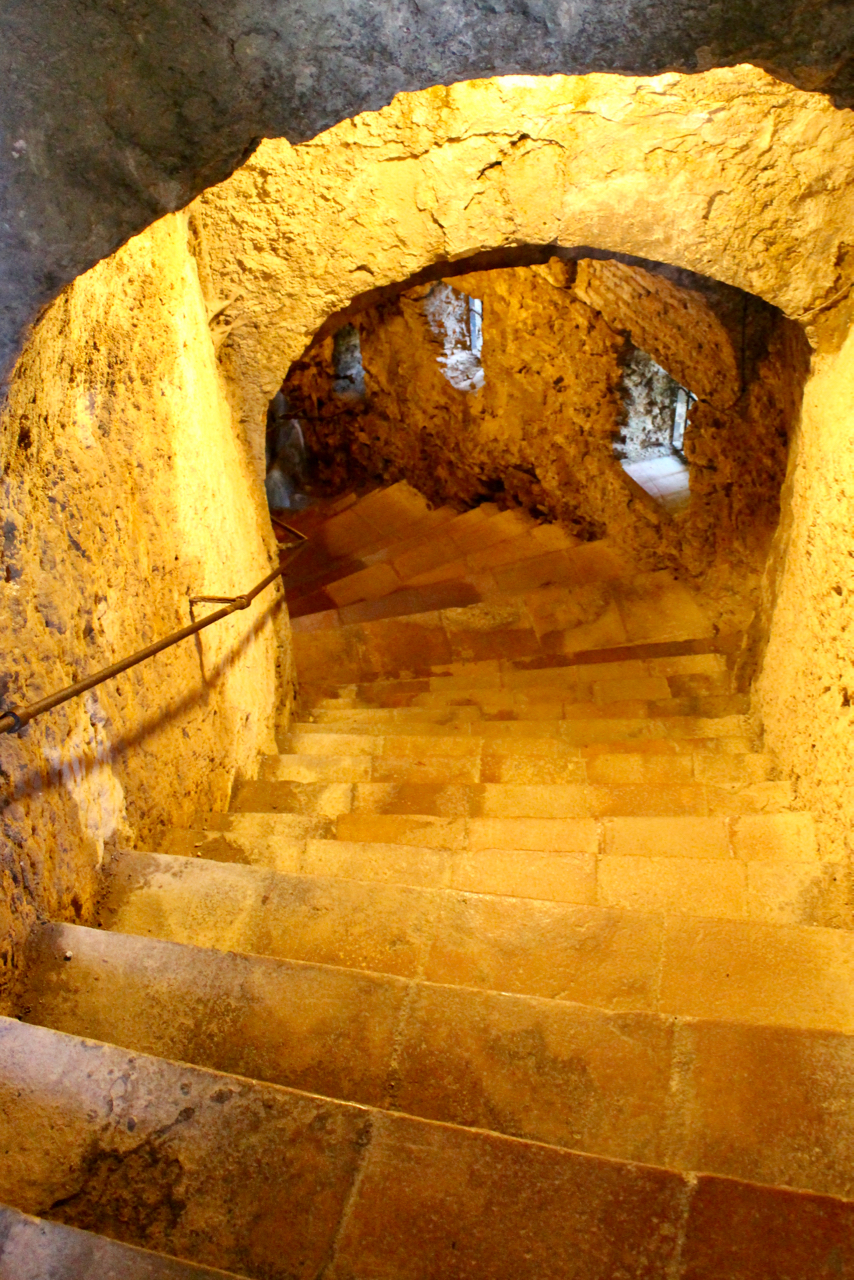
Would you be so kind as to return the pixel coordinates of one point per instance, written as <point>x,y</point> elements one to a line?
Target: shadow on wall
<point>83,763</point>
<point>651,445</point>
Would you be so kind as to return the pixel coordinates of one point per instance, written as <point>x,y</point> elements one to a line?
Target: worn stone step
<point>368,546</point>
<point>614,958</point>
<point>638,738</point>
<point>35,1249</point>
<point>605,682</point>
<point>433,546</point>
<point>509,799</point>
<point>648,690</point>
<point>578,732</point>
<point>629,1086</point>
<point>554,708</point>
<point>488,765</point>
<point>702,655</point>
<point>524,622</point>
<point>766,867</point>
<point>382,604</point>
<point>278,1184</point>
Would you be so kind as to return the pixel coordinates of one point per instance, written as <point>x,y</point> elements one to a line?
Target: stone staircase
<point>511,964</point>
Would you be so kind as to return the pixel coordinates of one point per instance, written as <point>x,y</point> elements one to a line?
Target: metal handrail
<point>13,720</point>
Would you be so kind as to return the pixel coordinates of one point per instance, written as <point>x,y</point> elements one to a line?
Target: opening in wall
<point>650,443</point>
<point>457,321</point>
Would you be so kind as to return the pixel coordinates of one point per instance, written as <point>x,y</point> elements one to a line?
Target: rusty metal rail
<point>14,719</point>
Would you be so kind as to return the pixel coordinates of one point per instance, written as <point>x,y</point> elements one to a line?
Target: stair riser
<point>497,674</point>
<point>628,733</point>
<point>371,644</point>
<point>209,1157</point>
<point>316,740</point>
<point>507,800</point>
<point>628,1086</point>
<point>763,868</point>
<point>619,769</point>
<point>491,700</point>
<point>33,1249</point>
<point>615,959</point>
<point>526,710</point>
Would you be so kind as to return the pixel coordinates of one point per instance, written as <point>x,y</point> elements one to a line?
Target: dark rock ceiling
<point>116,111</point>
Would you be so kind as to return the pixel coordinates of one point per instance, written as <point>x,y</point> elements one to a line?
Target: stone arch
<point>730,174</point>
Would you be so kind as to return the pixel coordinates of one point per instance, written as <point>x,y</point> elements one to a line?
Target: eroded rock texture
<point>540,432</point>
<point>806,689</point>
<point>125,491</point>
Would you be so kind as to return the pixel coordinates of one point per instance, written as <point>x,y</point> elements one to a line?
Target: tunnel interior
<point>523,385</point>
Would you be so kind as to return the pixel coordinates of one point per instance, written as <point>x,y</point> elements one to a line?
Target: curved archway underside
<point>729,174</point>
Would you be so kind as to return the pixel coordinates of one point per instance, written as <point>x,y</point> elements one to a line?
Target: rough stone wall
<point>695,332</point>
<point>729,174</point>
<point>541,431</point>
<point>806,687</point>
<point>113,114</point>
<point>125,491</point>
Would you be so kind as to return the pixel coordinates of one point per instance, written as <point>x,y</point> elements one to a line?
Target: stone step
<point>433,542</point>
<point>524,708</point>
<point>442,527</point>
<point>487,765</point>
<point>575,732</point>
<point>509,799</point>
<point>546,741</point>
<point>629,1086</point>
<point>705,656</point>
<point>613,958</point>
<point>765,867</point>
<point>525,622</point>
<point>453,594</point>
<point>338,544</point>
<point>437,555</point>
<point>686,675</point>
<point>34,1249</point>
<point>456,692</point>
<point>277,1184</point>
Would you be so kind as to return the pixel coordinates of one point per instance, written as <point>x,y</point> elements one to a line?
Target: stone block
<point>777,837</point>
<point>531,1068</point>
<point>554,835</point>
<point>639,767</point>
<point>396,863</point>
<point>321,768</point>
<point>609,959</point>
<point>396,828</point>
<point>527,873</point>
<point>782,975</point>
<point>373,583</point>
<point>673,837</point>
<point>693,886</point>
<point>436,1201</point>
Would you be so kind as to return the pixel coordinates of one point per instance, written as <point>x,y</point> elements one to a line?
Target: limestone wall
<point>125,490</point>
<point>806,689</point>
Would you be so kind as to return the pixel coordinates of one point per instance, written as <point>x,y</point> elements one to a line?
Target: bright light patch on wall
<point>651,441</point>
<point>457,321</point>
